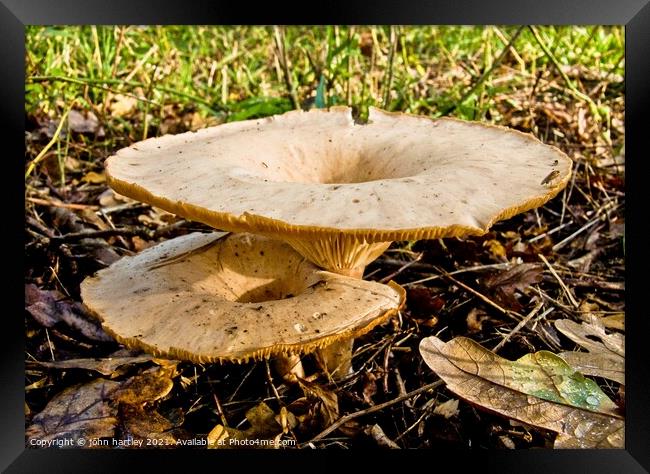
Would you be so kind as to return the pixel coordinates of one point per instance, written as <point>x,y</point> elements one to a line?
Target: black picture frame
<point>16,14</point>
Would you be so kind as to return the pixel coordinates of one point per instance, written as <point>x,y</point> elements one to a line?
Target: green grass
<point>234,73</point>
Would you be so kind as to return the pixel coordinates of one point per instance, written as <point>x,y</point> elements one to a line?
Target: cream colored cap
<point>215,297</point>
<point>318,173</point>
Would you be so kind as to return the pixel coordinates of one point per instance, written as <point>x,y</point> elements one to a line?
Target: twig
<point>269,379</point>
<point>518,327</point>
<point>550,232</point>
<point>496,266</point>
<point>220,411</point>
<point>386,279</point>
<point>77,207</point>
<point>344,419</point>
<point>566,240</point>
<point>98,234</point>
<point>49,344</point>
<point>484,298</point>
<point>250,371</point>
<point>557,277</point>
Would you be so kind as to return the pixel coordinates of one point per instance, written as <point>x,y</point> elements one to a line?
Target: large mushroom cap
<point>214,297</point>
<point>318,173</point>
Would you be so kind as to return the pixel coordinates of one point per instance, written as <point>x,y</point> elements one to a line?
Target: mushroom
<point>232,297</point>
<point>340,192</point>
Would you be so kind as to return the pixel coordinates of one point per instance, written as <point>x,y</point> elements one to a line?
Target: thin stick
<point>559,280</point>
<point>269,378</point>
<point>388,278</point>
<point>77,207</point>
<point>518,327</point>
<point>497,266</point>
<point>230,398</point>
<point>49,344</point>
<point>550,232</point>
<point>220,412</point>
<point>566,240</point>
<point>344,419</point>
<point>479,295</point>
<point>98,234</point>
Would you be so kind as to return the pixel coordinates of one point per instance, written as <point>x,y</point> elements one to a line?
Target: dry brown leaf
<point>496,248</point>
<point>90,411</point>
<point>85,122</point>
<point>264,432</point>
<point>447,409</point>
<point>121,105</point>
<point>614,321</point>
<point>498,385</point>
<point>50,307</point>
<point>606,358</point>
<point>369,387</point>
<point>93,177</point>
<point>79,412</point>
<point>518,278</point>
<point>146,426</point>
<point>151,385</point>
<point>377,434</point>
<point>475,319</point>
<point>325,401</point>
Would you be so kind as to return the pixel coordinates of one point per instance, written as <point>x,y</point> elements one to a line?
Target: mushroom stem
<point>289,367</point>
<point>336,358</point>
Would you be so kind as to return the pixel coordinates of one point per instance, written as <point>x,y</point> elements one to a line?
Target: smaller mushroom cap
<point>217,297</point>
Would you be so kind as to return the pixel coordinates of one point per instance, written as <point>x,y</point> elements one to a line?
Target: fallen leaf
<point>583,334</point>
<point>90,411</point>
<point>151,385</point>
<point>606,358</point>
<point>447,409</point>
<point>110,198</point>
<point>50,307</point>
<point>264,431</point>
<point>539,389</point>
<point>79,412</point>
<point>614,321</point>
<point>325,401</point>
<point>147,426</point>
<point>93,177</point>
<point>377,434</point>
<point>85,122</point>
<point>423,302</point>
<point>518,278</point>
<point>475,319</point>
<point>369,387</point>
<point>497,250</point>
<point>121,105</point>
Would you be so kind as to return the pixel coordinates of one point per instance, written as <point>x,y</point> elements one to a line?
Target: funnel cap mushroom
<point>321,181</point>
<point>217,297</point>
